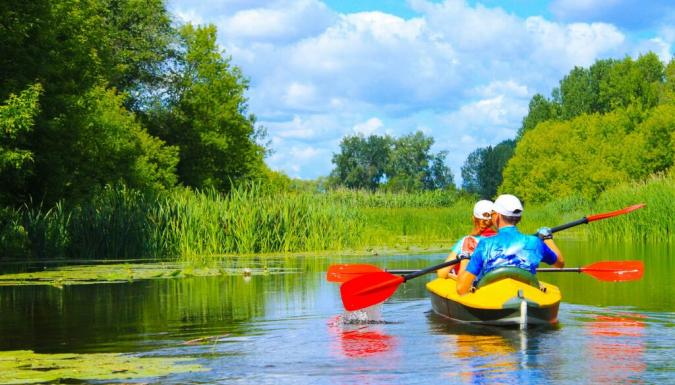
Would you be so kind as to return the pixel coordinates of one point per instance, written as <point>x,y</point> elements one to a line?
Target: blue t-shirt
<point>509,248</point>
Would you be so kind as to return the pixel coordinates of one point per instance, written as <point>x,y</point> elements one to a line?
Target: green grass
<point>202,227</point>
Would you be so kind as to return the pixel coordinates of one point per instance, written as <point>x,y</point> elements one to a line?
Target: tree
<point>583,157</point>
<point>408,167</point>
<point>540,110</point>
<point>100,142</point>
<point>16,122</point>
<point>482,170</point>
<point>667,95</point>
<point>576,93</point>
<point>632,82</point>
<point>78,51</point>
<point>362,161</point>
<point>204,115</point>
<point>403,164</point>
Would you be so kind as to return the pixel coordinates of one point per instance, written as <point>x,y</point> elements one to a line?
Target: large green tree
<point>204,114</point>
<point>606,85</point>
<point>590,153</point>
<point>93,59</point>
<point>412,165</point>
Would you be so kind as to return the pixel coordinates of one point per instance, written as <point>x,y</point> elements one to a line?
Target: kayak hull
<point>504,302</point>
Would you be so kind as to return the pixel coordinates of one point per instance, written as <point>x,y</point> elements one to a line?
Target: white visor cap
<point>483,209</point>
<point>508,205</point>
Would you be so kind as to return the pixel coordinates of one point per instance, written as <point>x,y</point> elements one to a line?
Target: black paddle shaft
<point>541,270</point>
<point>433,268</point>
<point>578,222</point>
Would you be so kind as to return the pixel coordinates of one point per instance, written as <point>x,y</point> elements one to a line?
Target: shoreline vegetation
<point>200,228</point>
<point>131,138</point>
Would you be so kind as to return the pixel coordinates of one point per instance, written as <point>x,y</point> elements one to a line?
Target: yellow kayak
<point>504,300</point>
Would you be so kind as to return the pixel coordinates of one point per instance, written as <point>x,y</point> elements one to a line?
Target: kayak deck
<point>504,302</point>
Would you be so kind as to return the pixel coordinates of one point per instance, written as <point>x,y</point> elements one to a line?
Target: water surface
<point>290,328</point>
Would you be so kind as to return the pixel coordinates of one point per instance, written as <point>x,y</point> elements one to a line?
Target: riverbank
<point>201,227</point>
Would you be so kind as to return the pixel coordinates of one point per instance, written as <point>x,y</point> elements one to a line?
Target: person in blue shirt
<point>482,227</point>
<point>509,248</point>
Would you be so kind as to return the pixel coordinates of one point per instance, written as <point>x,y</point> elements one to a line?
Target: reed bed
<point>183,224</point>
<point>652,223</point>
<point>205,226</point>
<point>387,199</point>
<point>401,228</point>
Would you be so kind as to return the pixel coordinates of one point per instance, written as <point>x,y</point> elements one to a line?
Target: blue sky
<point>463,72</point>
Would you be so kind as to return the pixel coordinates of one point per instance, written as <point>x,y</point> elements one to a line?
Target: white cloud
<point>501,87</point>
<point>463,74</point>
<point>564,46</point>
<point>276,21</point>
<point>369,127</point>
<point>299,95</point>
<point>188,16</point>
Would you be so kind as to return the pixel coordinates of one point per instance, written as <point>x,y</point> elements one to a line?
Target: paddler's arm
<point>552,252</point>
<point>464,282</point>
<point>560,261</point>
<point>444,272</point>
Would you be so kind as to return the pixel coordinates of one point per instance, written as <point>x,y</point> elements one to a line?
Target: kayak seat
<point>514,273</point>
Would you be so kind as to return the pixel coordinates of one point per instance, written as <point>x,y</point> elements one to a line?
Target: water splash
<point>369,315</point>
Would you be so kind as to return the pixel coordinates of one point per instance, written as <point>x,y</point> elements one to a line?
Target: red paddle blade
<point>615,271</point>
<point>626,210</point>
<point>345,272</point>
<point>369,289</point>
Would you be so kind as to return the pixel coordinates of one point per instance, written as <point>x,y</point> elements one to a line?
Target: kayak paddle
<point>369,289</point>
<point>597,217</point>
<point>610,271</point>
<point>344,272</point>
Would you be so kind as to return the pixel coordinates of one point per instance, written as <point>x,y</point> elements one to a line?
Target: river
<point>288,327</point>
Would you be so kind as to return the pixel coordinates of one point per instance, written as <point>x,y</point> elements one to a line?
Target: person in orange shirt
<point>482,227</point>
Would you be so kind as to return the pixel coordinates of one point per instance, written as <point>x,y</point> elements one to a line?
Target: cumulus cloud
<point>461,73</point>
<point>276,22</point>
<point>369,127</point>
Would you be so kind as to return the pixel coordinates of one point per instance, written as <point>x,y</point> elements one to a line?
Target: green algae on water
<point>27,367</point>
<point>119,273</point>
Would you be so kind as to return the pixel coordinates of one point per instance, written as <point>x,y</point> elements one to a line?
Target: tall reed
<point>652,223</point>
<point>202,226</point>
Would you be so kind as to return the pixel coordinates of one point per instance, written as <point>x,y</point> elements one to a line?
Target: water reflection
<point>489,355</point>
<point>360,334</point>
<point>133,317</point>
<point>617,347</point>
<point>371,355</point>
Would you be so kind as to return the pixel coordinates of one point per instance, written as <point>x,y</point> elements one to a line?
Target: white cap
<point>482,209</point>
<point>508,205</point>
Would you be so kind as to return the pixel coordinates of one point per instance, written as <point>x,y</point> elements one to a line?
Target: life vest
<point>470,243</point>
